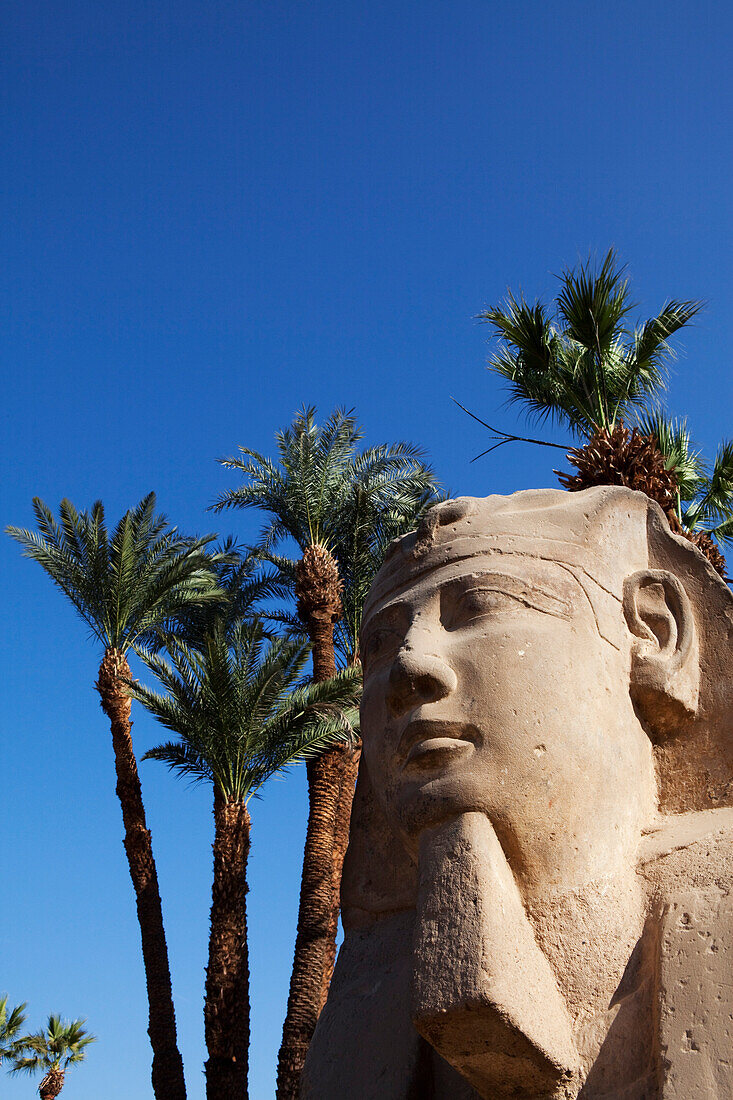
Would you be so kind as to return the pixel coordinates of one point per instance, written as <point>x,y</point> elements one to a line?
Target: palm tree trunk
<point>348,767</point>
<point>52,1084</point>
<point>167,1072</point>
<point>316,886</point>
<point>227,1009</point>
<point>314,921</point>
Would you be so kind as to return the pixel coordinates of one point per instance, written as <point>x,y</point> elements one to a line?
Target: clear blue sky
<point>217,211</point>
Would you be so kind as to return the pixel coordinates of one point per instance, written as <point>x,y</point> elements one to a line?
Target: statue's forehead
<point>490,566</point>
<point>598,536</point>
<point>576,576</point>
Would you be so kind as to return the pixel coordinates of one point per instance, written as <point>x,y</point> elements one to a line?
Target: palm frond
<point>236,710</point>
<point>593,302</point>
<point>11,1021</point>
<point>650,346</point>
<point>60,1044</point>
<point>723,531</point>
<point>718,497</point>
<point>124,586</point>
<point>583,365</point>
<point>672,436</point>
<point>181,757</point>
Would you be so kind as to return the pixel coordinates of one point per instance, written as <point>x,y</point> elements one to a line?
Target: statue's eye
<point>380,644</point>
<point>461,608</point>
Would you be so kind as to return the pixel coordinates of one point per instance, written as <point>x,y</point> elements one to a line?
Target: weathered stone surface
<point>537,895</point>
<point>696,996</point>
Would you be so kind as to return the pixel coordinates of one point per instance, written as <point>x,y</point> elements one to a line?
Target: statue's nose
<point>416,678</point>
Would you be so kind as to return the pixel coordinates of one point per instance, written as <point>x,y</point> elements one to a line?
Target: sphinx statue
<point>537,893</point>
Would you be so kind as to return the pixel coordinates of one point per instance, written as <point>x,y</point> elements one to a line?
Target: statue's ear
<point>665,667</point>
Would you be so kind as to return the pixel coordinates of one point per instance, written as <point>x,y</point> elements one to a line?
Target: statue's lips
<point>427,742</point>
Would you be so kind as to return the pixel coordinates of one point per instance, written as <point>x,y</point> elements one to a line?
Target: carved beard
<point>484,991</point>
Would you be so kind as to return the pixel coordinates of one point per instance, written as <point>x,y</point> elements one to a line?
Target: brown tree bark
<point>316,886</point>
<point>167,1072</point>
<point>348,768</point>
<point>314,913</point>
<point>52,1084</point>
<point>227,1008</point>
<point>320,629</point>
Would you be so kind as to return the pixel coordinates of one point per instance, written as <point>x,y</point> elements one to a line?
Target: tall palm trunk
<point>227,1009</point>
<point>167,1072</point>
<point>348,766</point>
<point>316,888</point>
<point>319,603</point>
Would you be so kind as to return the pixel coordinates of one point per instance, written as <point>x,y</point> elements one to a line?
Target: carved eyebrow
<point>386,616</point>
<point>525,591</point>
<point>399,612</point>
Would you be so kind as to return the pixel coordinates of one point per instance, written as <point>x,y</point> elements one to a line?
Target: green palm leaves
<point>238,712</point>
<point>321,483</point>
<point>11,1021</point>
<point>705,494</point>
<point>51,1051</point>
<point>583,364</point>
<point>123,584</point>
<point>323,491</point>
<point>60,1044</point>
<point>233,693</point>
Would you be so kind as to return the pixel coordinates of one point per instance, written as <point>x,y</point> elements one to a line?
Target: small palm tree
<point>60,1045</point>
<point>703,509</point>
<point>338,505</point>
<point>586,367</point>
<point>583,365</point>
<point>239,718</point>
<point>11,1021</point>
<point>126,586</point>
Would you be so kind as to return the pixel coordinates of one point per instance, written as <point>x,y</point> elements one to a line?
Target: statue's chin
<point>423,801</point>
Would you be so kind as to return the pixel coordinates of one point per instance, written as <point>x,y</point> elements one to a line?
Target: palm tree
<point>239,719</point>
<point>586,367</point>
<point>246,587</point>
<point>10,1024</point>
<point>703,507</point>
<point>330,499</point>
<point>125,586</point>
<point>62,1044</point>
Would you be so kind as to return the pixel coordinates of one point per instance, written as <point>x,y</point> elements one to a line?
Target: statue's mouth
<point>428,743</point>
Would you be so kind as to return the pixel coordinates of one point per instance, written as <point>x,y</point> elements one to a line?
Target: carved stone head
<point>547,677</point>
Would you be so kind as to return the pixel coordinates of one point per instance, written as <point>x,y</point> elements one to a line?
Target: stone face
<point>536,897</point>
